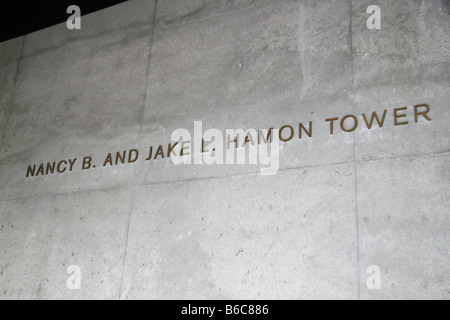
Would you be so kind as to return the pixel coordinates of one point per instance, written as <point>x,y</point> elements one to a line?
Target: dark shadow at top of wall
<point>18,17</point>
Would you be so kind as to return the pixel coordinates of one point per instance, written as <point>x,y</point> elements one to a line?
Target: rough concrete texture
<point>340,203</point>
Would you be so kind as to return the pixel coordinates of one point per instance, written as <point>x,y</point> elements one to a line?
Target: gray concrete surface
<point>137,71</point>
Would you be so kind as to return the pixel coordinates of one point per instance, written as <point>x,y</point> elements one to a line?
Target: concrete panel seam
<point>351,44</point>
<point>184,20</point>
<point>152,36</point>
<point>356,221</point>
<point>125,187</point>
<point>141,124</point>
<point>126,246</point>
<point>78,192</point>
<point>10,100</point>
<point>84,38</point>
<point>414,156</point>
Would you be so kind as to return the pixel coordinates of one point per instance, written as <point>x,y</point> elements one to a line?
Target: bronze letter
<point>332,124</point>
<point>236,141</point>
<point>108,160</point>
<point>397,116</point>
<point>86,163</point>
<point>422,113</point>
<point>375,117</point>
<point>281,133</point>
<point>59,166</point>
<point>265,139</point>
<point>302,127</point>
<point>72,163</point>
<point>40,170</point>
<point>354,126</point>
<point>150,154</point>
<point>120,157</point>
<point>135,157</point>
<point>203,147</point>
<point>50,168</point>
<point>248,138</point>
<point>183,147</point>
<point>170,149</point>
<point>31,171</point>
<point>159,152</point>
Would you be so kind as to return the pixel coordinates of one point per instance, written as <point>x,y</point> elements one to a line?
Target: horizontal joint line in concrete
<point>187,19</point>
<point>86,38</point>
<point>255,174</point>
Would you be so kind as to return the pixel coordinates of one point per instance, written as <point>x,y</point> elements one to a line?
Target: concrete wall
<point>339,204</point>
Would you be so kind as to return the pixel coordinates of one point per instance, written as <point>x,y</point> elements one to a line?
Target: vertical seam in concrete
<point>355,164</point>
<point>355,168</point>
<point>141,124</point>
<point>357,229</point>
<point>152,36</point>
<point>10,99</point>
<point>126,243</point>
<point>351,43</point>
